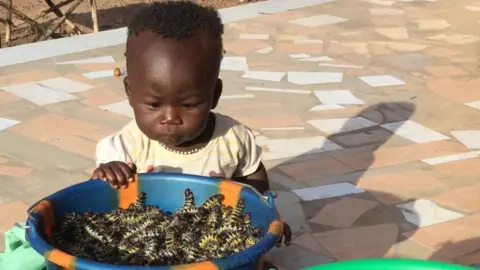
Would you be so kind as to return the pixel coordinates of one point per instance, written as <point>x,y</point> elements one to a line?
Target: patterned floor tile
<point>318,20</point>
<point>340,125</point>
<point>335,97</point>
<point>328,191</point>
<point>463,199</point>
<point>415,132</point>
<point>264,75</point>
<point>38,94</point>
<point>361,242</point>
<point>381,80</point>
<point>65,85</point>
<point>6,123</point>
<point>424,213</point>
<point>12,212</point>
<point>305,78</point>
<point>93,60</point>
<point>467,137</point>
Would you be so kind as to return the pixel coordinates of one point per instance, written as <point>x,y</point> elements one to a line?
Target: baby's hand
<point>117,173</point>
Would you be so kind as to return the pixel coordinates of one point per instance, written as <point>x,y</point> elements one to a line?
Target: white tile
<point>468,137</point>
<point>255,36</point>
<point>299,56</point>
<point>451,158</point>
<point>473,8</point>
<point>237,96</point>
<point>278,90</point>
<point>122,107</point>
<point>6,123</point>
<point>386,11</point>
<point>381,80</point>
<point>264,75</point>
<point>98,74</point>
<point>458,39</point>
<point>38,94</point>
<point>327,191</point>
<point>381,2</point>
<point>65,85</point>
<point>474,104</point>
<point>234,63</point>
<point>396,33</point>
<point>304,78</point>
<point>338,97</point>
<point>414,132</point>
<point>308,41</point>
<point>424,213</point>
<point>282,128</point>
<point>265,50</point>
<point>326,107</point>
<point>318,20</point>
<point>94,60</point>
<point>289,148</point>
<point>338,65</point>
<point>432,24</point>
<point>340,125</point>
<point>318,59</point>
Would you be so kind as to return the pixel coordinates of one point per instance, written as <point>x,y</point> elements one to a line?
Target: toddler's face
<point>173,85</point>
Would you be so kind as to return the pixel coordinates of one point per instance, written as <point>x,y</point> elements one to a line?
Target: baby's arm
<point>114,156</point>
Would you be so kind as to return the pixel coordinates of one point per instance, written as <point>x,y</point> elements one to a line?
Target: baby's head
<point>174,50</point>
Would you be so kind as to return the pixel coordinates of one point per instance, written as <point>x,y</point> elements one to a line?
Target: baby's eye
<point>191,105</point>
<point>153,106</point>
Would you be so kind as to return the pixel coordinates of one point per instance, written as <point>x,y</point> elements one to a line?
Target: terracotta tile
<point>461,167</point>
<point>469,259</point>
<point>446,71</point>
<point>291,48</point>
<point>242,47</point>
<point>257,122</point>
<point>413,250</point>
<point>12,212</point>
<point>28,76</point>
<point>101,66</point>
<point>335,49</point>
<point>361,242</point>
<point>376,49</point>
<point>377,135</point>
<point>75,145</point>
<point>343,213</point>
<point>441,52</point>
<point>83,79</point>
<point>315,169</point>
<point>451,239</point>
<point>17,171</point>
<point>234,105</point>
<point>49,127</point>
<point>385,21</point>
<point>346,112</point>
<point>263,64</point>
<point>465,199</point>
<point>394,188</point>
<point>7,98</point>
<point>97,135</point>
<point>456,90</point>
<point>307,241</point>
<point>304,30</point>
<point>399,155</point>
<point>100,96</point>
<point>463,59</point>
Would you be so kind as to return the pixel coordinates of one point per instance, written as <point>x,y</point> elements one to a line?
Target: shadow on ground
<point>383,224</point>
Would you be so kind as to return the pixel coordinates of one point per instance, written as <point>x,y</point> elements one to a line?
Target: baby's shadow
<point>332,203</point>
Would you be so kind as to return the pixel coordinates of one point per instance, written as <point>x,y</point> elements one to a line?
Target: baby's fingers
<point>99,173</point>
<point>123,173</point>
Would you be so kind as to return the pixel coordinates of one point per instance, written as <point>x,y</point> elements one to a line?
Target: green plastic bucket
<point>388,264</point>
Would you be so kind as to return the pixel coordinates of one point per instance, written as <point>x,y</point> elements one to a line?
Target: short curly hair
<point>176,19</point>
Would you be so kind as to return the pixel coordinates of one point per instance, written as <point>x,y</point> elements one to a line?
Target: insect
<point>145,235</point>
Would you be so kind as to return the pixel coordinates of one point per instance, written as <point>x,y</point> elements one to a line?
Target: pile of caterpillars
<point>144,235</point>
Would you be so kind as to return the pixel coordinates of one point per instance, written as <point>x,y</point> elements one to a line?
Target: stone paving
<point>367,112</point>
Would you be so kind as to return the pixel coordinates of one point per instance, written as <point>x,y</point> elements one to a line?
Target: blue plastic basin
<point>163,190</point>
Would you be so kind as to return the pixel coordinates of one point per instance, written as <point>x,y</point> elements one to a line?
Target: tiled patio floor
<point>368,113</point>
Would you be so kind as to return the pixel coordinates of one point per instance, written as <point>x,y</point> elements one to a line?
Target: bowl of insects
<point>160,221</point>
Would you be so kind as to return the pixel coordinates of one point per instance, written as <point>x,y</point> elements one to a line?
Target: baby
<point>174,50</point>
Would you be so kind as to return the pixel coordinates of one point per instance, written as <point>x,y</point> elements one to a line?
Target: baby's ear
<point>126,85</point>
<point>217,93</point>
